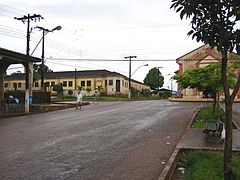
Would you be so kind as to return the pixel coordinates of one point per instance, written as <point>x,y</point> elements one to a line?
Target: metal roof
<point>12,57</point>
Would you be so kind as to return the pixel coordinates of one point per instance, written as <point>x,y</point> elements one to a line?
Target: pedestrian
<point>96,97</point>
<point>79,100</point>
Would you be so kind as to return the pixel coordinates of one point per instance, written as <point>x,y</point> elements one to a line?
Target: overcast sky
<point>100,29</point>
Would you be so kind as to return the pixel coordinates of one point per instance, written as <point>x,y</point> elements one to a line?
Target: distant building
<point>197,58</point>
<point>113,83</point>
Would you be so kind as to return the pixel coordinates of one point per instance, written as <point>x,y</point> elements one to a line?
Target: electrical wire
<point>99,60</point>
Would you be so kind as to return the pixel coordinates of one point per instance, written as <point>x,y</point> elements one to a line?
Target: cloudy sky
<point>99,29</point>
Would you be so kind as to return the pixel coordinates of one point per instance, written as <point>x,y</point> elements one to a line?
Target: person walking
<point>79,100</point>
<point>96,97</point>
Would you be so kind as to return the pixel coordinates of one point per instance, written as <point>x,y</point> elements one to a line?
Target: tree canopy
<point>37,71</point>
<point>207,79</point>
<point>37,68</point>
<point>154,78</point>
<point>214,22</point>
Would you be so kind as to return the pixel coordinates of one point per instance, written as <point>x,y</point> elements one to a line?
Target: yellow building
<point>113,83</point>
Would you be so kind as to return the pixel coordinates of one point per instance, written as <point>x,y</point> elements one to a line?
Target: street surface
<point>236,108</point>
<point>111,140</point>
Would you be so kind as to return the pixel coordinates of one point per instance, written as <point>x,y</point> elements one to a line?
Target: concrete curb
<point>196,100</point>
<point>168,171</point>
<point>234,121</point>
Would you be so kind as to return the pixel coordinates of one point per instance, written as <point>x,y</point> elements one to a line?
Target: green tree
<point>59,89</point>
<point>207,79</point>
<point>37,68</point>
<point>214,22</point>
<point>37,71</point>
<point>154,78</point>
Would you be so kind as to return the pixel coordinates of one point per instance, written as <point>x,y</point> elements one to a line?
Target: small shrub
<point>70,92</point>
<point>165,94</point>
<point>146,92</point>
<point>88,89</point>
<point>134,92</point>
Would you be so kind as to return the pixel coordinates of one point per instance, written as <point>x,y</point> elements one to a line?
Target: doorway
<point>117,86</point>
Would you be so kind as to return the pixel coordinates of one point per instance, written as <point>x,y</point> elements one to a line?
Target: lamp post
<point>129,79</point>
<point>139,67</point>
<point>44,33</point>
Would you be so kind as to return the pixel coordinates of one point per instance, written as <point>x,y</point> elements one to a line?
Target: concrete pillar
<point>28,91</point>
<point>30,78</point>
<point>3,68</point>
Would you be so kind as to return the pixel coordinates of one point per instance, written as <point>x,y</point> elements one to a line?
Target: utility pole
<point>42,64</point>
<point>27,19</point>
<point>75,76</point>
<point>129,79</point>
<point>44,32</point>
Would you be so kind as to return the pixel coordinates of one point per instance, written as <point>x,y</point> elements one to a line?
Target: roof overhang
<point>12,57</point>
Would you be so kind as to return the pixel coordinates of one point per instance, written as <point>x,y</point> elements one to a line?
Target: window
<point>82,83</point>
<point>64,83</point>
<point>110,82</point>
<point>52,83</point>
<point>5,85</point>
<point>36,84</point>
<point>19,85</point>
<point>15,86</point>
<point>46,84</point>
<point>88,83</point>
<point>70,83</point>
<point>105,82</point>
<point>122,82</point>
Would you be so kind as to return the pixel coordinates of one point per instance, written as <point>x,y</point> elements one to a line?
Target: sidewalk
<point>195,139</point>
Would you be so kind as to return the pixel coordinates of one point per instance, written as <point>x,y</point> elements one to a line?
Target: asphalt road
<point>236,108</point>
<point>113,140</point>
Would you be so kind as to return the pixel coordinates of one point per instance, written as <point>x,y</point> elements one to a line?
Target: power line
<point>9,7</point>
<point>13,32</point>
<point>69,65</point>
<point>99,60</point>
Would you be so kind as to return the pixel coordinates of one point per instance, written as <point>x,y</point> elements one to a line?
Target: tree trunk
<point>228,121</point>
<point>215,102</point>
<point>228,142</point>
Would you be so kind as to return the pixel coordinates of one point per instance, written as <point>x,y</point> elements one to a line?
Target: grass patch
<point>205,114</point>
<point>201,165</point>
<point>66,98</point>
<point>104,98</point>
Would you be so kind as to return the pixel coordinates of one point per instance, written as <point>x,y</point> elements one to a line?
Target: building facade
<point>112,83</point>
<point>198,58</point>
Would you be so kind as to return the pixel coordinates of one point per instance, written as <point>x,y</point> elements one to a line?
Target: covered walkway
<point>8,57</point>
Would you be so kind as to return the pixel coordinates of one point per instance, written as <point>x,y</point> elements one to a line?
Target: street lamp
<point>45,32</point>
<point>139,67</point>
